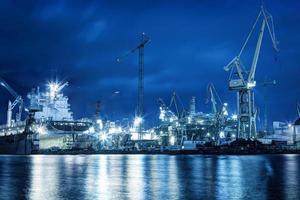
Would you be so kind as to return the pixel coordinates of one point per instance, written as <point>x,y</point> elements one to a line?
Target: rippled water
<point>149,177</point>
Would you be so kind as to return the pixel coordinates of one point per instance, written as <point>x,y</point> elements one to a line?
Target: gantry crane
<point>140,101</point>
<point>212,94</point>
<point>244,81</point>
<point>12,105</point>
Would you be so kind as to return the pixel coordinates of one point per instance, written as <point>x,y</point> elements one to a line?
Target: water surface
<point>149,177</point>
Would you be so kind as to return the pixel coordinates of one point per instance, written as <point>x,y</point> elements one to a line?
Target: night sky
<point>191,41</point>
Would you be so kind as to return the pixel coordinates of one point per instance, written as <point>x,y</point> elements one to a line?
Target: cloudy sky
<point>191,41</point>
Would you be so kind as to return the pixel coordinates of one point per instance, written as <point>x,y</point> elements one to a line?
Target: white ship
<point>55,123</point>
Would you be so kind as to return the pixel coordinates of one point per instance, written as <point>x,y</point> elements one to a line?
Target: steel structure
<point>265,84</point>
<point>244,81</point>
<point>140,101</point>
<point>12,105</point>
<point>298,109</point>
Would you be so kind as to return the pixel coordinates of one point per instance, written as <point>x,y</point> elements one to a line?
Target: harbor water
<point>149,177</point>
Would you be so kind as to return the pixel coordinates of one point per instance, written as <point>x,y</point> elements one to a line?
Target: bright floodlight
<point>222,134</point>
<point>137,121</point>
<point>54,88</point>
<point>103,137</point>
<point>100,123</point>
<point>172,140</point>
<point>289,125</point>
<point>234,117</point>
<point>251,84</point>
<point>41,130</point>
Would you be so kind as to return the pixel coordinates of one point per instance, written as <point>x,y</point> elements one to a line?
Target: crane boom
<point>11,106</point>
<point>9,89</point>
<point>212,99</point>
<point>140,101</point>
<point>256,53</point>
<point>266,18</point>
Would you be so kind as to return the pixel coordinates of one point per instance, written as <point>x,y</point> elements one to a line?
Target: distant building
<point>296,130</point>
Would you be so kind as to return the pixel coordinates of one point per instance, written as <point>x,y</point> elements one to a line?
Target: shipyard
<point>43,122</point>
<point>141,100</point>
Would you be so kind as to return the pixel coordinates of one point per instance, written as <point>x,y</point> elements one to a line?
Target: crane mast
<point>244,82</point>
<point>140,100</point>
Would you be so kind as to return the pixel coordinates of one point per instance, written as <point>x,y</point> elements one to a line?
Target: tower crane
<point>140,101</point>
<point>12,105</point>
<point>244,81</point>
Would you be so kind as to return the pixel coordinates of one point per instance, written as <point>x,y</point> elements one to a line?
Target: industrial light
<point>147,136</point>
<point>54,89</point>
<point>137,121</point>
<point>189,120</point>
<point>251,84</point>
<point>103,137</point>
<point>234,117</point>
<point>91,130</point>
<point>41,130</point>
<point>100,123</point>
<point>289,125</point>
<point>134,135</point>
<point>172,140</point>
<point>113,130</point>
<point>222,134</point>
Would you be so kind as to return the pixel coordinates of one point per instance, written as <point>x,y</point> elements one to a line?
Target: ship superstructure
<point>54,105</point>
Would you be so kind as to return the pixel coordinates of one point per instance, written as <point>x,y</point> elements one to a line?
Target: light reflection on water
<point>149,177</point>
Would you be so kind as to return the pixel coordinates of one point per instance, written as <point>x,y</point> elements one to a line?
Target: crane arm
<point>62,86</point>
<point>256,53</point>
<point>236,62</point>
<point>145,39</point>
<point>18,98</point>
<point>9,89</point>
<point>267,21</point>
<point>213,100</point>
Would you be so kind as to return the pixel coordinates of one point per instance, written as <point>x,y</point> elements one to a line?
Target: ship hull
<point>15,144</point>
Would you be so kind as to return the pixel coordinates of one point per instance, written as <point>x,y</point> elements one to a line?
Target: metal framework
<point>12,105</point>
<point>244,82</point>
<point>140,100</point>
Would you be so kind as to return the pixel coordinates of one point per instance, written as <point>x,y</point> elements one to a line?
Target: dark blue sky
<point>191,41</point>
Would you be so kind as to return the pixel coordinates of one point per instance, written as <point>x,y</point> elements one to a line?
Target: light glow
<point>41,130</point>
<point>172,140</point>
<point>137,121</point>
<point>251,84</point>
<point>100,123</point>
<point>234,117</point>
<point>222,134</point>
